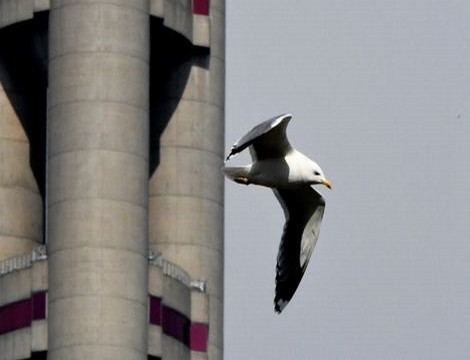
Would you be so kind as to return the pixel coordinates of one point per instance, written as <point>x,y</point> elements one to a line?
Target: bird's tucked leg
<point>242,180</point>
<point>239,174</point>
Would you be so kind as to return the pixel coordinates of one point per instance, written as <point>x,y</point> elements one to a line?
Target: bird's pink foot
<point>242,180</point>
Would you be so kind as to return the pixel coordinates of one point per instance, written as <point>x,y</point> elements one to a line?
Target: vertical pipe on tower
<point>20,200</point>
<point>98,179</point>
<point>186,207</point>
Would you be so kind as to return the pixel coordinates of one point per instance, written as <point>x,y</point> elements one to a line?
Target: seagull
<point>290,174</point>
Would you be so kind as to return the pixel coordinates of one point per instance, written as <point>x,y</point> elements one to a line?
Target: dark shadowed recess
<point>39,355</point>
<point>171,59</point>
<point>23,65</point>
<point>23,55</point>
<point>23,73</point>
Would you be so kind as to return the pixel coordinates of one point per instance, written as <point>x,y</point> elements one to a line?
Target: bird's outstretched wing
<point>267,140</point>
<point>303,208</point>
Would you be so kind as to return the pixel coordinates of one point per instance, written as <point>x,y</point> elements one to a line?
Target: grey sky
<point>380,93</point>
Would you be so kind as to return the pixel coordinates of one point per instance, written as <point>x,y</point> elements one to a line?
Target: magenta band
<point>175,325</point>
<point>39,304</point>
<point>155,310</point>
<point>201,7</point>
<point>178,325</point>
<point>20,314</point>
<point>15,316</point>
<point>199,335</point>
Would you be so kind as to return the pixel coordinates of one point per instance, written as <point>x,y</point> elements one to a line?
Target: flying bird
<point>290,174</point>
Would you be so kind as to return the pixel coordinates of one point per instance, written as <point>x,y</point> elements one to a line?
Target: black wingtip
<point>233,151</point>
<point>279,305</point>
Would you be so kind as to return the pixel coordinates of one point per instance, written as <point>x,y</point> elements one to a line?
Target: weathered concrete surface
<point>155,288</point>
<point>17,286</point>
<point>20,201</point>
<point>186,190</point>
<point>39,284</point>
<point>98,176</point>
<point>199,314</point>
<point>98,172</point>
<point>176,296</point>
<point>12,11</point>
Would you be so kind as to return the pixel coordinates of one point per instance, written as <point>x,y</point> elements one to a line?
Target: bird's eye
<point>317,173</point>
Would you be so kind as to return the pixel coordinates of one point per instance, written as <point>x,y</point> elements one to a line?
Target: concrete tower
<point>111,195</point>
<point>97,131</point>
<point>186,191</point>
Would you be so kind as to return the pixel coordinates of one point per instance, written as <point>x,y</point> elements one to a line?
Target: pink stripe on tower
<point>15,316</point>
<point>198,336</point>
<point>201,7</point>
<point>39,305</point>
<point>155,311</point>
<point>20,314</point>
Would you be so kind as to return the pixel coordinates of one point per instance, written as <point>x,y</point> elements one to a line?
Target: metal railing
<point>175,272</point>
<point>155,259</point>
<point>22,261</point>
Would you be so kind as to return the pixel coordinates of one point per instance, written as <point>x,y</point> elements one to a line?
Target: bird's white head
<point>315,176</point>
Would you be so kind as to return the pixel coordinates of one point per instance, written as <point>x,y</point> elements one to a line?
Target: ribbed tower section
<point>20,201</point>
<point>98,179</point>
<point>21,204</point>
<point>186,189</point>
<point>111,191</point>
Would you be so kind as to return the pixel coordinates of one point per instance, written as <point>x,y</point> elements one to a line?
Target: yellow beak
<point>327,183</point>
